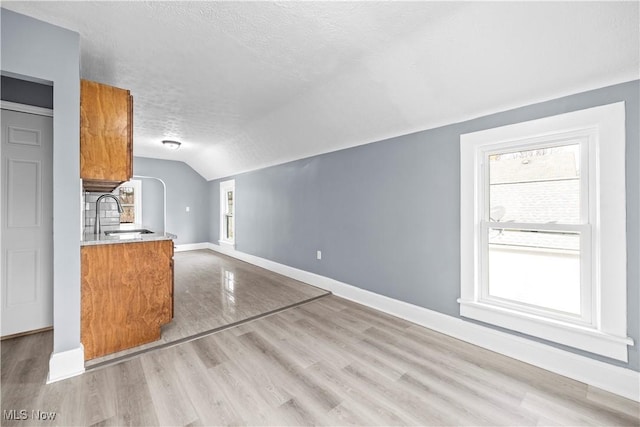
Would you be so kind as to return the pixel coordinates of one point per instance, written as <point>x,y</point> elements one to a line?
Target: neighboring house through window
<point>227,211</point>
<point>130,196</point>
<point>543,238</point>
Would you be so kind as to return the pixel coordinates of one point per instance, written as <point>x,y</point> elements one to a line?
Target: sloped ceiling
<point>245,85</point>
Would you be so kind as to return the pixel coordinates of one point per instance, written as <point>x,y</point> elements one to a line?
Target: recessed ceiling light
<point>172,145</point>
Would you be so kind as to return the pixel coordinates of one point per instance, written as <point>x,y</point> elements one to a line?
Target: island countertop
<point>89,238</point>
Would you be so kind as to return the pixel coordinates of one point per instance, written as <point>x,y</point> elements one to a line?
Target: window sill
<point>580,337</point>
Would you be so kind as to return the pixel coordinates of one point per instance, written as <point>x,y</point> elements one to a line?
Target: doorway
<point>26,220</point>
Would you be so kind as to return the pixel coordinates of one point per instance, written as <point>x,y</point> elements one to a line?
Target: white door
<point>26,222</point>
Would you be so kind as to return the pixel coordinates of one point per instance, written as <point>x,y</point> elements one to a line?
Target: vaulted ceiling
<point>245,85</point>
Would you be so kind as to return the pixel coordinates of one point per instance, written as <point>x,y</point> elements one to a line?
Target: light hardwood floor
<point>326,362</point>
<point>213,291</point>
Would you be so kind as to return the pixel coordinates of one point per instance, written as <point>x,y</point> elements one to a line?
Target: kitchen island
<point>127,288</point>
<point>90,239</point>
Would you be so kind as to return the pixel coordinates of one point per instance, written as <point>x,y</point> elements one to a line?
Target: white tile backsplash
<point>109,214</point>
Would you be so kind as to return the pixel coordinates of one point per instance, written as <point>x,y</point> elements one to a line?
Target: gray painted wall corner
<point>386,215</point>
<point>213,188</point>
<point>185,188</point>
<point>36,49</point>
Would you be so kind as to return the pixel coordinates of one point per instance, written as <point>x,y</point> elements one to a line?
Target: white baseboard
<point>615,379</point>
<point>191,247</point>
<point>66,364</point>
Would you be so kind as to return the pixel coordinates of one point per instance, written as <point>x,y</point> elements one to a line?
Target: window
<point>534,239</point>
<point>130,195</point>
<point>543,243</point>
<point>227,210</point>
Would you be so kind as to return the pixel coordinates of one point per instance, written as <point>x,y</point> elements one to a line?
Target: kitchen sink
<point>123,232</point>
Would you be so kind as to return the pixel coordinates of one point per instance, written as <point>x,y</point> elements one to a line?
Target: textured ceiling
<point>250,84</point>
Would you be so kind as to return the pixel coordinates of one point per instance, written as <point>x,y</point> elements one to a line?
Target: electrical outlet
<point>319,254</point>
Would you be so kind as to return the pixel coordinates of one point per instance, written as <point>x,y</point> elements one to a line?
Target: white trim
<point>572,335</point>
<point>23,108</point>
<point>227,244</point>
<point>614,379</point>
<point>66,364</point>
<point>26,78</point>
<point>578,228</point>
<point>604,125</point>
<point>191,247</point>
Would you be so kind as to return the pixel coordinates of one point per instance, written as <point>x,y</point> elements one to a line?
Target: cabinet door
<point>126,295</point>
<point>105,133</point>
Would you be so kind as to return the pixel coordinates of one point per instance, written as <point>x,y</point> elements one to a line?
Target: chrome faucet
<point>96,229</point>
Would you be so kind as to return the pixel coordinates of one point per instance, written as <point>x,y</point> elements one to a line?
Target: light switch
<point>188,209</point>
<point>319,254</point>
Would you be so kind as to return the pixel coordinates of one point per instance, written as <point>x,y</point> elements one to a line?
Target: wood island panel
<point>127,295</point>
<point>106,133</point>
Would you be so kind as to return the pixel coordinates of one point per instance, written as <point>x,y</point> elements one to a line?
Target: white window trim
<point>608,335</point>
<point>224,187</point>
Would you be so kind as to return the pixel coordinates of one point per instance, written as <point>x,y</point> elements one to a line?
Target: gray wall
<point>185,187</point>
<point>214,211</point>
<point>387,215</point>
<point>153,204</point>
<point>35,49</point>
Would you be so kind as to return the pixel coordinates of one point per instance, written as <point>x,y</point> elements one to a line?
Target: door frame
<point>24,108</point>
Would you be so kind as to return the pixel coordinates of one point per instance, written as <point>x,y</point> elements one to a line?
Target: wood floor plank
<point>611,401</point>
<point>329,362</point>
<point>564,414</point>
<point>295,413</point>
<point>202,389</point>
<point>135,407</point>
<point>213,290</point>
<point>469,407</point>
<point>280,362</point>
<point>238,395</point>
<point>413,407</point>
<point>430,362</point>
<point>349,349</point>
<point>288,340</point>
<point>377,410</point>
<point>518,374</point>
<point>210,354</point>
<point>346,414</point>
<point>97,398</point>
<point>271,389</point>
<point>170,399</point>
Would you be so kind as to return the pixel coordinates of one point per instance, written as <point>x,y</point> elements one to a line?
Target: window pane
<point>230,202</point>
<point>126,195</point>
<point>229,227</point>
<point>128,215</point>
<point>536,268</point>
<point>539,186</point>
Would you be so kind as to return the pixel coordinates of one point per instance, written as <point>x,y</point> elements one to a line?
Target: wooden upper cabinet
<point>106,136</point>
